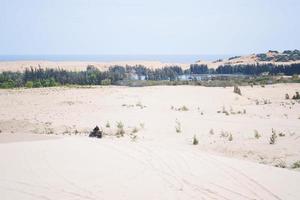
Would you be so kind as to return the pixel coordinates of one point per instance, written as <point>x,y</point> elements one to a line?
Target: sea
<point>110,58</point>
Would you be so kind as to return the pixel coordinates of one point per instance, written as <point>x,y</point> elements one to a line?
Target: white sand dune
<point>80,65</point>
<point>83,168</point>
<point>159,163</point>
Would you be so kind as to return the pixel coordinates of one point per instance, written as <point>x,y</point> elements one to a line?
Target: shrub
<point>280,164</point>
<point>29,84</point>
<point>106,82</point>
<point>230,138</point>
<point>195,140</point>
<point>256,134</point>
<point>8,84</point>
<point>107,125</point>
<point>120,125</point>
<point>182,108</point>
<point>237,90</point>
<point>273,137</point>
<point>296,164</point>
<point>281,134</point>
<point>211,131</point>
<point>296,96</point>
<point>287,96</point>
<point>37,84</point>
<point>178,127</point>
<point>142,125</point>
<point>120,131</point>
<point>135,130</point>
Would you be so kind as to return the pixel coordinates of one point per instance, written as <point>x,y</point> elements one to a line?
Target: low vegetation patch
<point>182,108</point>
<point>296,164</point>
<point>195,140</point>
<point>237,90</point>
<point>178,126</point>
<point>256,134</point>
<point>120,129</point>
<point>273,137</point>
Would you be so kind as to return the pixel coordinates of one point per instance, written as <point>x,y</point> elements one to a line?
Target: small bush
<point>120,131</point>
<point>237,90</point>
<point>107,125</point>
<point>296,164</point>
<point>29,84</point>
<point>256,134</point>
<point>280,164</point>
<point>273,137</point>
<point>211,131</point>
<point>287,96</point>
<point>142,125</point>
<point>106,82</point>
<point>281,134</point>
<point>223,134</point>
<point>182,108</point>
<point>8,84</point>
<point>37,84</point>
<point>195,140</point>
<point>296,96</point>
<point>230,138</point>
<point>135,130</point>
<point>178,127</point>
<point>120,125</point>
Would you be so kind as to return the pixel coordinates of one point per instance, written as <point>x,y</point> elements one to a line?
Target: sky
<point>58,27</point>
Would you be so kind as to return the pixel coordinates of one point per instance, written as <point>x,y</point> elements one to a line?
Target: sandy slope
<point>160,163</point>
<point>83,168</point>
<point>79,65</point>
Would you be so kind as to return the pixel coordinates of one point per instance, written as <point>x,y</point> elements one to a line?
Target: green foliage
<point>37,84</point>
<point>296,164</point>
<point>8,84</point>
<point>106,82</point>
<point>29,84</point>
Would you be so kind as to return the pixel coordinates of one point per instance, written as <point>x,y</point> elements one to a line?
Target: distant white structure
<point>135,77</point>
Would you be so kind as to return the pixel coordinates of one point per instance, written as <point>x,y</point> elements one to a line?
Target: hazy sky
<point>148,26</point>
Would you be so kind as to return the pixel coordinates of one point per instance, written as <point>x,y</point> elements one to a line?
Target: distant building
<point>134,76</point>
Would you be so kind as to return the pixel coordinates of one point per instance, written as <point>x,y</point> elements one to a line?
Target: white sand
<point>160,163</point>
<point>80,65</point>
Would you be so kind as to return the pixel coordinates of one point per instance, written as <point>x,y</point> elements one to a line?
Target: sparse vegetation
<point>296,164</point>
<point>237,90</point>
<point>256,134</point>
<point>178,126</point>
<point>195,140</point>
<point>142,125</point>
<point>281,134</point>
<point>273,137</point>
<point>120,129</point>
<point>140,105</point>
<point>135,130</point>
<point>296,96</point>
<point>182,108</point>
<point>280,163</point>
<point>287,96</point>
